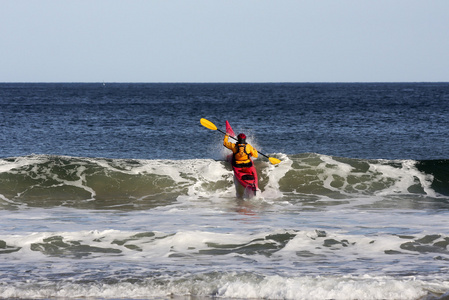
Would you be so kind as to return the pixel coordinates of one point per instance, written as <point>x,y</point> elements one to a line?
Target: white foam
<point>393,179</point>
<point>404,177</point>
<point>7,166</point>
<point>2,197</point>
<point>345,287</point>
<point>275,173</point>
<point>235,285</point>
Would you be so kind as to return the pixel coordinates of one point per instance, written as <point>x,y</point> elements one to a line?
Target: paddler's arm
<point>254,152</point>
<point>228,144</point>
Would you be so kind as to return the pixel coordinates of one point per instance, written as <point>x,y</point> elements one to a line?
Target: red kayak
<point>245,178</point>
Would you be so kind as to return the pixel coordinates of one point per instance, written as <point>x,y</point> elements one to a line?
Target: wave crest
<point>100,183</point>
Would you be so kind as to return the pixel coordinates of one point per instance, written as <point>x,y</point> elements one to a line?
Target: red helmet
<point>241,137</point>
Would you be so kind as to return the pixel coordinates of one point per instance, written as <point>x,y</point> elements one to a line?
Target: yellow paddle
<point>209,125</point>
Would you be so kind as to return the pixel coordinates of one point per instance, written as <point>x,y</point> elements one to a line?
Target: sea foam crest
<point>235,285</point>
<point>48,181</point>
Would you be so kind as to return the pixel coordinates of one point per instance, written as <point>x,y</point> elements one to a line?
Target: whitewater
<point>106,193</point>
<point>83,227</point>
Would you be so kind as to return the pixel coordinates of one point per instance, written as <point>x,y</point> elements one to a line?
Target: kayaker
<point>242,151</point>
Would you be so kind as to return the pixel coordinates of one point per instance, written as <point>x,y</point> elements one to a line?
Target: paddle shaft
<point>236,140</point>
<point>209,125</point>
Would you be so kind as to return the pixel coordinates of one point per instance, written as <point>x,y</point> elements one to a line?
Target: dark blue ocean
<point>115,190</point>
<point>160,121</point>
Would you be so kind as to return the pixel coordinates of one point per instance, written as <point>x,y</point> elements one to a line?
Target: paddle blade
<point>229,129</point>
<point>208,124</point>
<point>273,160</point>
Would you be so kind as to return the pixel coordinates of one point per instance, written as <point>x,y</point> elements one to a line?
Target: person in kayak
<point>242,151</point>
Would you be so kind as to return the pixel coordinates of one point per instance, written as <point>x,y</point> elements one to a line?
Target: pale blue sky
<point>224,41</point>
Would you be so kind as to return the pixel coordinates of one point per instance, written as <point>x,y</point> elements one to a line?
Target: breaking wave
<point>101,183</point>
<point>226,276</point>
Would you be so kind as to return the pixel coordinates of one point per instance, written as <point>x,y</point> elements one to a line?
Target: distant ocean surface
<point>116,191</point>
